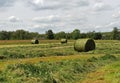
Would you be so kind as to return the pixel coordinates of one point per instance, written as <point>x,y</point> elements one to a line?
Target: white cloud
<point>113,24</point>
<point>83,3</point>
<point>38,2</point>
<point>98,27</point>
<point>98,0</point>
<point>69,19</point>
<point>116,15</point>
<point>56,4</point>
<point>57,23</point>
<point>40,26</point>
<point>101,6</point>
<point>12,26</point>
<point>47,19</point>
<point>36,26</point>
<point>42,5</point>
<point>13,19</point>
<point>6,2</point>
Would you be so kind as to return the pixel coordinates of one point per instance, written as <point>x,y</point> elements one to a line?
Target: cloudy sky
<point>59,15</point>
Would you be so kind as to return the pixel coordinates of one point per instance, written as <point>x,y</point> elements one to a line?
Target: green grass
<point>40,50</point>
<point>113,74</point>
<point>112,48</point>
<point>110,73</point>
<point>66,71</point>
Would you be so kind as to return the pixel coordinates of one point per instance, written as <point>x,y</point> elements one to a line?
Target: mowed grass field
<point>53,62</point>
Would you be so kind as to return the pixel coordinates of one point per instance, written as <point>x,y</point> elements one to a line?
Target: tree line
<point>17,35</point>
<point>75,34</point>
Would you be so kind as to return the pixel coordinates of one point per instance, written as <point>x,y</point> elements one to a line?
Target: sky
<point>59,15</point>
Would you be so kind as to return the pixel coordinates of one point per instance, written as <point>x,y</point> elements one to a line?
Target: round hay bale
<point>35,41</point>
<point>63,41</point>
<point>84,45</point>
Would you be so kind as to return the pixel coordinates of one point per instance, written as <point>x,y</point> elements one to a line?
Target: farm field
<point>53,62</point>
<point>107,74</point>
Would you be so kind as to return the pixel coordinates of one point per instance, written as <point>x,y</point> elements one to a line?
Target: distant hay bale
<point>35,41</point>
<point>84,45</point>
<point>63,41</point>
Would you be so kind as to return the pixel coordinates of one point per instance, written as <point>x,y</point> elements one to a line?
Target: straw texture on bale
<point>35,41</point>
<point>84,45</point>
<point>63,41</point>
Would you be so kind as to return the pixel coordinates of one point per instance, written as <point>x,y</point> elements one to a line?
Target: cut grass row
<point>107,74</point>
<point>19,42</point>
<point>40,50</point>
<point>4,63</point>
<point>66,70</point>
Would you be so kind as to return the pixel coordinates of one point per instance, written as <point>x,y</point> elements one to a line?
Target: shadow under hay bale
<point>63,41</point>
<point>84,45</point>
<point>2,57</point>
<point>35,41</point>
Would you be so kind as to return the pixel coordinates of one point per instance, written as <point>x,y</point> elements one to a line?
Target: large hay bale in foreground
<point>84,45</point>
<point>35,41</point>
<point>63,41</point>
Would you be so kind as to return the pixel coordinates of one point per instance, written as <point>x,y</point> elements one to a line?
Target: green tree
<point>20,34</point>
<point>83,35</point>
<point>91,34</point>
<point>50,34</point>
<point>106,36</point>
<point>34,35</point>
<point>69,35</point>
<point>97,36</point>
<point>60,35</point>
<point>115,34</point>
<point>76,34</point>
<point>4,35</point>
